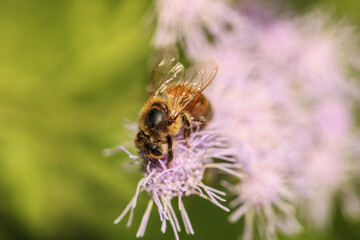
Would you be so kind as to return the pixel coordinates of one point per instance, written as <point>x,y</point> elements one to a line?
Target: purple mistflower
<point>265,195</point>
<point>256,111</point>
<point>329,168</point>
<point>321,82</point>
<point>327,53</point>
<point>191,22</point>
<point>301,104</point>
<point>255,107</point>
<point>183,177</point>
<point>317,51</point>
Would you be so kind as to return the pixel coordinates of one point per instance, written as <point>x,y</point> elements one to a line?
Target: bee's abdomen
<point>200,108</point>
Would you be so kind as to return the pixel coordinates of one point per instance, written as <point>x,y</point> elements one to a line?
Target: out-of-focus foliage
<point>71,72</point>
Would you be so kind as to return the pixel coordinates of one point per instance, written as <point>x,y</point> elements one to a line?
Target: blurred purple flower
<point>329,167</point>
<point>260,126</point>
<point>320,81</point>
<point>191,22</point>
<point>184,177</point>
<point>265,195</point>
<point>318,52</point>
<point>289,95</point>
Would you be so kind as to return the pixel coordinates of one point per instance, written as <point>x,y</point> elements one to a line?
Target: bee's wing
<point>196,79</point>
<point>167,70</point>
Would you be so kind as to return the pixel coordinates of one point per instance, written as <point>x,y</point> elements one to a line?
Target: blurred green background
<point>71,72</point>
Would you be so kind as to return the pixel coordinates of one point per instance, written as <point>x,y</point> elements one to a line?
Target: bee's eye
<point>155,150</point>
<point>155,118</point>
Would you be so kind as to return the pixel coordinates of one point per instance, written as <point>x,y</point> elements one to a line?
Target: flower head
<point>326,55</point>
<point>190,22</point>
<point>265,195</point>
<point>329,166</point>
<point>182,177</point>
<point>259,115</point>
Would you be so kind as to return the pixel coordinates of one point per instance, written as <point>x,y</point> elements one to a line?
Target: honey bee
<point>174,102</point>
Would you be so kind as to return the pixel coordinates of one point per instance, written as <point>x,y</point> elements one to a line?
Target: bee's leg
<point>170,151</point>
<point>201,121</point>
<point>155,162</point>
<point>187,129</point>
